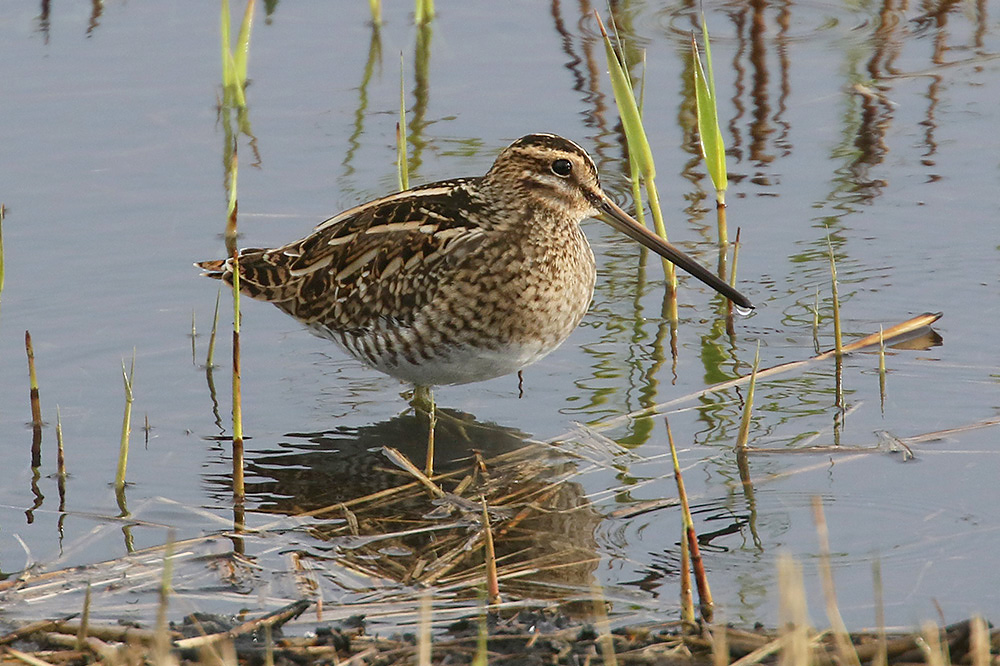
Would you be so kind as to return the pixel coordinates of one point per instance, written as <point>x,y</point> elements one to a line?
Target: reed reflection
<point>370,518</point>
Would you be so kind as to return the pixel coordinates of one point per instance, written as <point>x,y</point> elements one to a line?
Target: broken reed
<point>640,153</point>
<point>713,148</point>
<point>35,403</point>
<point>700,578</point>
<point>36,407</point>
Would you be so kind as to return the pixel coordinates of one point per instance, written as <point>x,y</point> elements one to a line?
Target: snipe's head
<point>546,172</point>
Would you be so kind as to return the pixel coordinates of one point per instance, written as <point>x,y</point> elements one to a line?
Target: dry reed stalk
<point>934,650</point>
<point>492,585</point>
<point>899,331</point>
<point>424,632</point>
<point>881,369</point>
<point>397,457</point>
<point>82,633</point>
<point>161,641</point>
<point>700,578</point>
<point>793,617</point>
<point>979,642</point>
<point>603,626</point>
<point>274,618</point>
<point>687,595</point>
<point>842,640</point>
<point>29,659</point>
<point>720,641</point>
<point>881,657</point>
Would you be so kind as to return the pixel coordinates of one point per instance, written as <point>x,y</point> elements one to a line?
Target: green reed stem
<point>402,167</point>
<point>815,312</point>
<point>736,261</point>
<point>127,375</point>
<point>239,491</point>
<point>641,155</point>
<point>242,51</point>
<point>210,357</point>
<point>713,148</point>
<point>838,340</point>
<point>423,12</point>
<point>60,451</point>
<point>744,432</point>
<point>36,407</point>
<point>481,657</point>
<point>376,7</point>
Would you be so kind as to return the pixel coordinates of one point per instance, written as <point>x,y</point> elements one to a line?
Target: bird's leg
<point>423,399</point>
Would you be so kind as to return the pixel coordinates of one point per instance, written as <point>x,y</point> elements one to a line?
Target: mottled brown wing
<point>380,261</point>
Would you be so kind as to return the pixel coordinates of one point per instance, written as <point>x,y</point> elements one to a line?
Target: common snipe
<point>460,280</point>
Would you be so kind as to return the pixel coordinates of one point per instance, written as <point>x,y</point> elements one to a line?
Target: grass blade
<point>713,148</point>
<point>242,51</point>
<point>627,107</point>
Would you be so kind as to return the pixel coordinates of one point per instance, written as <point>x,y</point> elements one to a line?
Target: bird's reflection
<point>370,518</point>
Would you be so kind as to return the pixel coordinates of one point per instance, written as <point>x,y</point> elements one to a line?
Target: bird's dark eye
<point>562,168</point>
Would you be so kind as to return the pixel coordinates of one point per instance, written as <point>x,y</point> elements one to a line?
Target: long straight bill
<point>624,223</point>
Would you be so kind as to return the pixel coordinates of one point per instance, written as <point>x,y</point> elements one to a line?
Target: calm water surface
<point>858,125</point>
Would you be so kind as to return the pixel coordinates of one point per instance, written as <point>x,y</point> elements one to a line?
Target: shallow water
<point>872,128</point>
